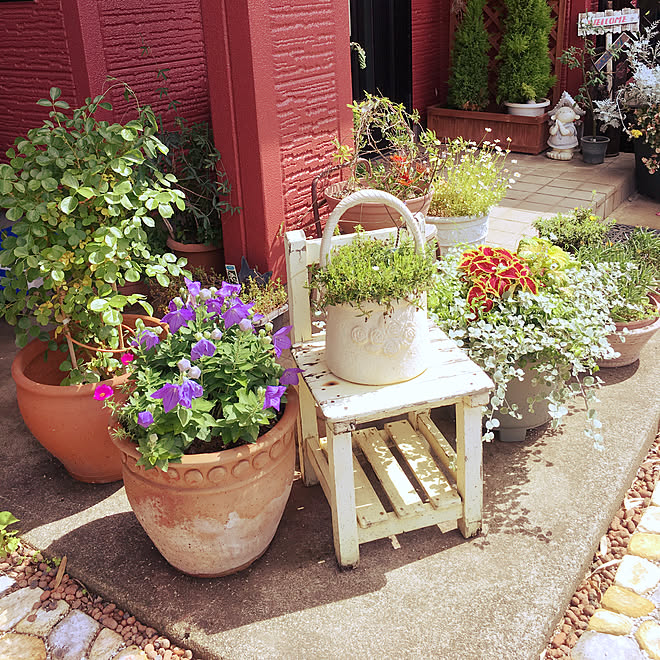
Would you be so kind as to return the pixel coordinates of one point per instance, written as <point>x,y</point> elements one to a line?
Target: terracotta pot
<point>639,334</point>
<point>512,429</point>
<point>372,215</point>
<point>214,514</point>
<point>207,257</point>
<point>66,419</point>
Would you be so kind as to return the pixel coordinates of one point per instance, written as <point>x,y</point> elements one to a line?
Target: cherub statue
<point>563,134</point>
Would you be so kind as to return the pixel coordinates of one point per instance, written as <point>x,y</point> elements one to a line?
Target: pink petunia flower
<point>102,392</point>
<point>126,358</point>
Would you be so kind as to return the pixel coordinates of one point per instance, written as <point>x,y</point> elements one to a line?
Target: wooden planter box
<point>528,134</point>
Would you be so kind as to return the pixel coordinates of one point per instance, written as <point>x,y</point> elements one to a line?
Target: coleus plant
<point>212,378</point>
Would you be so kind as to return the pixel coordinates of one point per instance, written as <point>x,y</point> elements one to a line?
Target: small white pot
<point>451,231</point>
<point>529,109</point>
<point>379,348</point>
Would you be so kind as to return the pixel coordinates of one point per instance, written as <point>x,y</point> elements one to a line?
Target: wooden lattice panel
<point>494,13</point>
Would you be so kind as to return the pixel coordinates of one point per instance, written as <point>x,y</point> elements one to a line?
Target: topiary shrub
<point>524,73</point>
<point>468,80</point>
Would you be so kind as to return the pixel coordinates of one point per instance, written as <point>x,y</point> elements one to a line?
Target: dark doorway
<point>383,29</point>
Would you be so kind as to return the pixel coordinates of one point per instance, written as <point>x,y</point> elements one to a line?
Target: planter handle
<point>360,197</point>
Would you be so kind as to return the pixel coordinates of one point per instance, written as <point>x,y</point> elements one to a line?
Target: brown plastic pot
<point>214,514</point>
<point>207,257</point>
<point>631,344</point>
<point>66,419</point>
<point>372,215</point>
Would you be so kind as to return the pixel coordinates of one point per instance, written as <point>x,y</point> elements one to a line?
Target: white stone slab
<point>650,521</point>
<point>16,605</point>
<point>71,637</point>
<point>106,645</point>
<point>45,620</point>
<point>637,574</point>
<point>6,583</point>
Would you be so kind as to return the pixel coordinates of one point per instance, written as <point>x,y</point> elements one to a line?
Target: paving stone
<point>650,521</point>
<point>599,646</point>
<point>655,498</point>
<point>612,623</point>
<point>71,637</point>
<point>648,636</point>
<point>16,605</point>
<point>645,545</point>
<point>22,647</point>
<point>6,583</point>
<point>45,620</point>
<point>624,601</point>
<point>106,645</point>
<point>637,574</point>
<point>131,653</point>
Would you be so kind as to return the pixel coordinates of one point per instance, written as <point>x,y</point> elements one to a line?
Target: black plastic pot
<point>594,148</point>
<point>647,184</point>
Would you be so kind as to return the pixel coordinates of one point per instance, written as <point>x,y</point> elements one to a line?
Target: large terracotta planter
<point>631,345</point>
<point>214,514</point>
<point>66,419</point>
<point>372,215</point>
<point>206,257</point>
<point>517,392</point>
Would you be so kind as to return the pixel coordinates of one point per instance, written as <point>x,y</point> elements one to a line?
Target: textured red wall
<point>34,56</point>
<point>430,52</point>
<point>279,79</point>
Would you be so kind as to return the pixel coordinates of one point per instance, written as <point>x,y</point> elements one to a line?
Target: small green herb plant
<point>80,196</point>
<point>572,230</point>
<point>371,270</point>
<point>471,178</point>
<point>524,70</point>
<point>468,77</point>
<point>9,541</point>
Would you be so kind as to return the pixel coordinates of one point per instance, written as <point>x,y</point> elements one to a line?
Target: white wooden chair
<point>423,481</point>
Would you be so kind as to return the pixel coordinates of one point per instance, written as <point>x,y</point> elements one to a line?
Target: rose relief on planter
<point>80,198</point>
<point>207,433</point>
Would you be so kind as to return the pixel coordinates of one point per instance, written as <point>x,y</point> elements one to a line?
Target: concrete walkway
<point>547,503</point>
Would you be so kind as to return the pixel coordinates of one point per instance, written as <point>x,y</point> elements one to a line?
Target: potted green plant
<point>635,307</point>
<point>387,155</point>
<point>534,320</point>
<point>636,107</point>
<point>570,231</point>
<point>582,58</point>
<point>373,292</point>
<point>207,442</point>
<point>524,76</point>
<point>468,75</point>
<point>79,199</point>
<point>470,180</point>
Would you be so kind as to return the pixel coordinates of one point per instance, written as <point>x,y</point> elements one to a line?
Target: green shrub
<point>468,80</point>
<point>8,540</point>
<point>575,229</point>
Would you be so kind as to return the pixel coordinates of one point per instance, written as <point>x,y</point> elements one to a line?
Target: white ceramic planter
<point>378,348</point>
<point>468,229</point>
<point>527,109</point>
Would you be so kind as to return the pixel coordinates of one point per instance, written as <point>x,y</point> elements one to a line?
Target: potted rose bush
<point>80,200</point>
<point>535,320</point>
<point>207,434</point>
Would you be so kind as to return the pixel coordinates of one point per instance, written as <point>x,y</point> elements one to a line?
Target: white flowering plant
<point>471,178</point>
<point>636,105</point>
<point>211,382</point>
<point>537,306</point>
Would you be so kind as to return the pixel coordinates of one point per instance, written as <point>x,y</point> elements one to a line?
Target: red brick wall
<point>34,56</point>
<point>430,52</point>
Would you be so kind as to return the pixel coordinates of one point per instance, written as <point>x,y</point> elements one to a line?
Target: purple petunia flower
<point>147,338</point>
<point>236,313</point>
<point>202,347</point>
<point>169,394</point>
<point>214,305</point>
<point>290,376</point>
<point>188,391</point>
<point>274,395</point>
<point>281,340</point>
<point>178,318</point>
<point>174,304</point>
<point>227,289</point>
<point>193,287</point>
<point>245,325</point>
<point>145,419</point>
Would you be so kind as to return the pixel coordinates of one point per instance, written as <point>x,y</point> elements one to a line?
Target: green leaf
<point>55,93</point>
<point>128,135</point>
<point>99,305</point>
<point>45,102</point>
<point>85,192</point>
<point>165,210</point>
<point>122,188</point>
<point>62,104</point>
<point>184,415</point>
<point>69,180</point>
<point>162,279</point>
<point>111,317</point>
<point>68,204</point>
<point>105,105</point>
<point>14,213</point>
<point>132,275</point>
<point>57,275</point>
<point>49,184</point>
